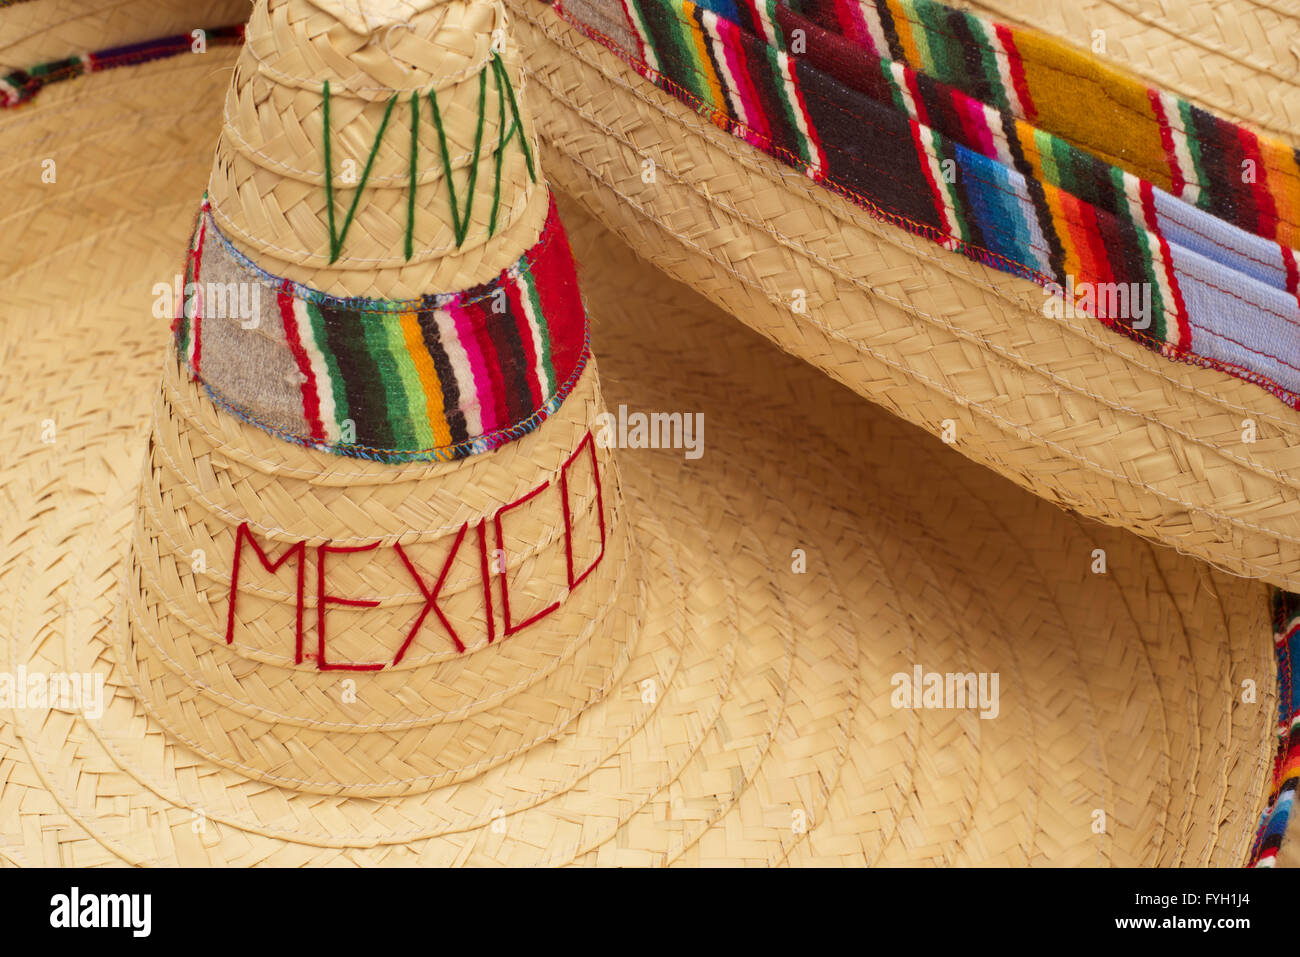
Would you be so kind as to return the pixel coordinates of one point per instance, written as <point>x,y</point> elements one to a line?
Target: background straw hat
<point>1237,58</point>
<point>747,715</point>
<point>1183,455</point>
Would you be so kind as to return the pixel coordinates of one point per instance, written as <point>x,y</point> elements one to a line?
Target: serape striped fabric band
<point>436,378</point>
<point>1286,769</point>
<point>19,86</point>
<point>1205,273</point>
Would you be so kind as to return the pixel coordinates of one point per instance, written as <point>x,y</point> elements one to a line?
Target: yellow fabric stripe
<point>423,364</point>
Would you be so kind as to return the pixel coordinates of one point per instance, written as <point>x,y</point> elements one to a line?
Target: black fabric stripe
<point>868,146</point>
<point>1056,252</point>
<point>728,97</point>
<point>891,33</point>
<point>446,377</point>
<point>362,379</point>
<point>503,330</point>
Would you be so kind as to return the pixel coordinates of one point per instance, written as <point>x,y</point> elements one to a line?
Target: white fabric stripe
<point>460,368</point>
<point>875,29</point>
<point>817,161</point>
<point>643,34</point>
<point>765,21</point>
<point>1004,74</point>
<point>319,369</point>
<point>1000,141</point>
<point>926,136</point>
<point>731,84</point>
<point>1182,153</point>
<point>1133,194</point>
<point>527,290</point>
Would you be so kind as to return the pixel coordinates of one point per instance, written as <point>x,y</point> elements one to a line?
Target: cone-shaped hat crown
<point>379,549</point>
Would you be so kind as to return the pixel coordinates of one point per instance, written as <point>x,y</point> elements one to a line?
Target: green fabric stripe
<point>396,400</point>
<point>685,42</point>
<point>899,102</point>
<point>417,400</point>
<point>1158,329</point>
<point>1194,148</point>
<point>342,411</point>
<point>543,331</point>
<point>770,6</point>
<point>792,111</point>
<point>989,64</point>
<point>183,325</point>
<point>937,52</point>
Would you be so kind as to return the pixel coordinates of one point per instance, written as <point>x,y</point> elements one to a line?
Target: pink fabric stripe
<point>464,323</point>
<point>854,24</point>
<point>755,118</point>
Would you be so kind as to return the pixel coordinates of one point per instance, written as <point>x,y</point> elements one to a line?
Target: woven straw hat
<point>339,614</point>
<point>1239,60</point>
<point>819,168</point>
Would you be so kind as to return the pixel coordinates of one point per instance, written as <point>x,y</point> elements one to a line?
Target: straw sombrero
<point>903,194</point>
<point>373,561</point>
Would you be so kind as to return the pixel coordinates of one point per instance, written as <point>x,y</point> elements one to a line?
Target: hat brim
<point>1061,406</point>
<point>1239,63</point>
<point>773,735</point>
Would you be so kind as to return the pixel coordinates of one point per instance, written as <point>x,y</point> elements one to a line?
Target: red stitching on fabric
<point>590,444</point>
<point>322,599</point>
<point>430,597</point>
<point>243,534</point>
<point>511,629</point>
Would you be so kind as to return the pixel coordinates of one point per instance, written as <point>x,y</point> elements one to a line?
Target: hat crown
<point>367,16</point>
<point>379,150</point>
<point>381,609</point>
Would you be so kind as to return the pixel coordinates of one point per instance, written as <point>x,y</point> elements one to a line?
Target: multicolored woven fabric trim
<point>1171,226</point>
<point>1286,768</point>
<point>20,86</point>
<point>435,378</point>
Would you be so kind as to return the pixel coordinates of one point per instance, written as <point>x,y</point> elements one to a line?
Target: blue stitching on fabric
<point>488,442</point>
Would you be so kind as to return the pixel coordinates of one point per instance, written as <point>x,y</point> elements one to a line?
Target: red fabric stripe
<point>514,292</point>
<point>1265,208</point>
<point>1180,308</point>
<point>1178,182</point>
<point>198,310</point>
<point>1017,72</point>
<point>923,161</point>
<point>1292,273</point>
<point>310,397</point>
<point>477,316</point>
<point>556,277</point>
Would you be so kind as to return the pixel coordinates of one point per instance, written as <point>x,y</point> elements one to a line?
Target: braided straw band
<point>343,627</point>
<point>439,377</point>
